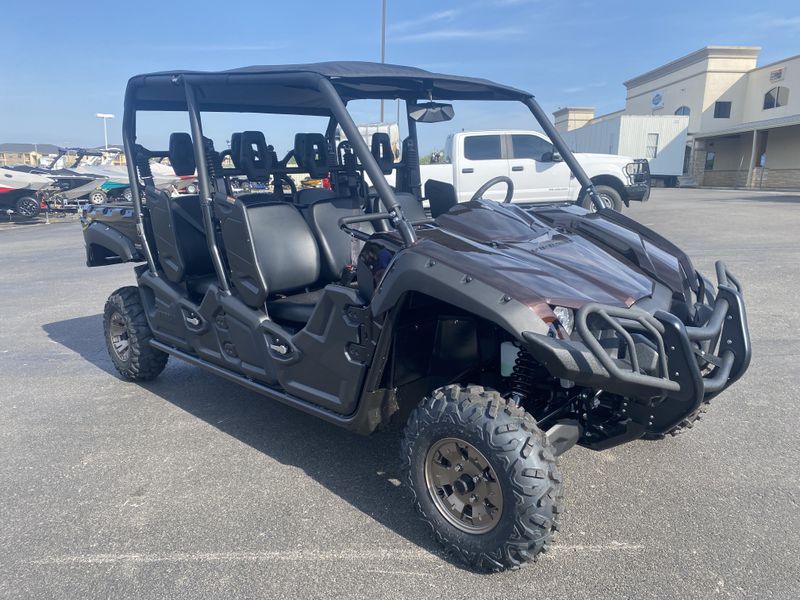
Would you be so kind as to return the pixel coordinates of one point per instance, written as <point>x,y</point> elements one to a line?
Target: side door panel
<point>535,177</point>
<point>481,157</point>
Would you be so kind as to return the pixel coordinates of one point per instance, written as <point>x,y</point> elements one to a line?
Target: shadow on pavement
<point>363,471</point>
<point>83,335</point>
<point>788,199</point>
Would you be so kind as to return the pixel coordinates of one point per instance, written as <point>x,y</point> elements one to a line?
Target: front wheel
<point>608,195</point>
<point>128,337</point>
<point>483,477</point>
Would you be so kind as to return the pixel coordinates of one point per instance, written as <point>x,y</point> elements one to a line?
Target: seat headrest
<point>181,154</point>
<point>254,156</point>
<point>382,151</point>
<point>236,148</point>
<point>311,154</point>
<point>441,196</point>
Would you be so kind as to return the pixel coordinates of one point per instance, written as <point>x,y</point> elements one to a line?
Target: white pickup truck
<point>471,158</point>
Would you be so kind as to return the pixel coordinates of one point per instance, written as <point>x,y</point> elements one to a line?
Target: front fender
<point>414,272</point>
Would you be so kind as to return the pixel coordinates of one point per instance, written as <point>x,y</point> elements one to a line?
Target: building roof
<point>573,109</point>
<point>693,58</point>
<point>292,88</point>
<point>786,121</point>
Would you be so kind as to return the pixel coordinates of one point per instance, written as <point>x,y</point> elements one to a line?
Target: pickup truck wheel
<point>128,337</point>
<point>482,476</point>
<point>609,196</point>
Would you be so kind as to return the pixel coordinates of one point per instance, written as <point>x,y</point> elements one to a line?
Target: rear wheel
<point>128,337</point>
<point>27,206</point>
<point>608,195</point>
<point>483,477</point>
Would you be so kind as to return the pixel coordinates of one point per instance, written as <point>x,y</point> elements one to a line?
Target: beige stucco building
<point>743,119</point>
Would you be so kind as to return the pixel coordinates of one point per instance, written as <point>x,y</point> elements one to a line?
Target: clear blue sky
<point>65,61</point>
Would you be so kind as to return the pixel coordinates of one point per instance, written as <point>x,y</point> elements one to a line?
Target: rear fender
<point>107,246</point>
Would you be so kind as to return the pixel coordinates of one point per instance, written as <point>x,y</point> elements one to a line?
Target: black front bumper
<point>638,192</point>
<point>681,367</point>
<point>639,188</point>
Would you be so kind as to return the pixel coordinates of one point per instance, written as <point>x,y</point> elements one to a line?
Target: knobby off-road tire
<point>519,460</point>
<point>683,426</point>
<point>610,197</point>
<point>128,337</point>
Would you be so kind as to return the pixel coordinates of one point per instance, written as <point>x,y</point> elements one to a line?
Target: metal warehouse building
<point>743,120</point>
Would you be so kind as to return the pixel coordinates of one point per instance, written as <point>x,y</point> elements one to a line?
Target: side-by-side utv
<point>498,336</point>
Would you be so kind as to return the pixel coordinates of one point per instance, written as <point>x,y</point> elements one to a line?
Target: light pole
<point>105,117</point>
<point>383,42</point>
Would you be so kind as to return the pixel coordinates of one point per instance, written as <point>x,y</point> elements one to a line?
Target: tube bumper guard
<point>654,356</point>
<point>638,188</point>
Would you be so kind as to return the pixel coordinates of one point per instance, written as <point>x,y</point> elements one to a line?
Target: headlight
<point>191,189</point>
<point>566,317</point>
<point>632,168</point>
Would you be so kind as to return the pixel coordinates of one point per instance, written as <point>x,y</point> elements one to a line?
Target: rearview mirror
<point>432,112</point>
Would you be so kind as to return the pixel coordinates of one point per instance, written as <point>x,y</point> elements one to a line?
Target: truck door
<point>479,159</point>
<point>536,177</point>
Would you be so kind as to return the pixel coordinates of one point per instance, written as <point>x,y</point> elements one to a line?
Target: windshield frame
<point>329,96</point>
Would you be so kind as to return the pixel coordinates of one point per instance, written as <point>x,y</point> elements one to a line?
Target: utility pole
<point>383,42</point>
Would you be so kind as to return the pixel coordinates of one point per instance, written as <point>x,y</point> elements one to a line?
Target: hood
<point>522,256</point>
<point>605,158</point>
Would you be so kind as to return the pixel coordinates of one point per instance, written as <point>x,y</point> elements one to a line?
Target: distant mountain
<point>41,148</point>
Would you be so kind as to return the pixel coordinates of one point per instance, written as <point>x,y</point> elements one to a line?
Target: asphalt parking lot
<point>192,487</point>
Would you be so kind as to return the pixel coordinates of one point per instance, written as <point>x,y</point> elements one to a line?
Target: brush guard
<point>667,367</point>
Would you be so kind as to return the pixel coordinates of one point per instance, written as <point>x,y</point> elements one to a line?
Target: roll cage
<point>321,89</point>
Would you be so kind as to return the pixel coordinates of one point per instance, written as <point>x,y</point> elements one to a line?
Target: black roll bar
<point>346,122</point>
<point>566,154</point>
<point>128,141</point>
<point>206,197</point>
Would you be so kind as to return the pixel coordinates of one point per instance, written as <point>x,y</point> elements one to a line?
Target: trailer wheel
<point>482,476</point>
<point>128,337</point>
<point>98,197</point>
<point>27,206</point>
<point>609,196</point>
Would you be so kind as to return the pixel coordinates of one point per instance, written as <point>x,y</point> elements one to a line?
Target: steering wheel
<point>493,182</point>
<point>277,185</point>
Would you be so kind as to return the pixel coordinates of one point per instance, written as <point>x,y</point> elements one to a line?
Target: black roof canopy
<point>295,88</point>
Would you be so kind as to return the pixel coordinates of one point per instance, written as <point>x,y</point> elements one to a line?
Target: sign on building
<point>776,75</point>
<point>657,100</point>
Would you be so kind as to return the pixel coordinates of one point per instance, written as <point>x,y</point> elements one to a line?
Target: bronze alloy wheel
<point>128,337</point>
<point>463,486</point>
<point>118,332</point>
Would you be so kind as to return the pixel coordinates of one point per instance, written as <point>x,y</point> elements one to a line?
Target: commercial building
<point>743,125</point>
